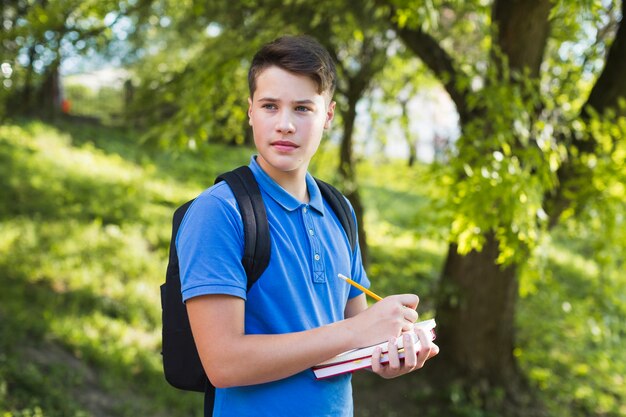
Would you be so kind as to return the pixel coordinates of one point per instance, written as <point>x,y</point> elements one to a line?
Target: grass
<point>572,335</point>
<point>85,221</point>
<point>82,258</point>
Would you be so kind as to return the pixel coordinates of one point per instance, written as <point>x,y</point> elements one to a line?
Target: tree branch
<point>611,85</point>
<point>436,59</point>
<point>608,89</point>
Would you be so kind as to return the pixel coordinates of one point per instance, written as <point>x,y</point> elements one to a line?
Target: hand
<point>386,319</point>
<point>412,360</point>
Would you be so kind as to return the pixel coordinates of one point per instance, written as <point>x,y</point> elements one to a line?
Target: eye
<point>269,106</point>
<point>303,109</point>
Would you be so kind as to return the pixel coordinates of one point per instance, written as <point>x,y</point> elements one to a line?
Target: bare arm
<point>232,358</point>
<point>355,306</point>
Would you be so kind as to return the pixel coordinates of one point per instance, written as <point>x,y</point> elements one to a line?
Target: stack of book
<point>361,358</point>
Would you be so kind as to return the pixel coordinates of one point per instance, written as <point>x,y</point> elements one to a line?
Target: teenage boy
<point>257,347</point>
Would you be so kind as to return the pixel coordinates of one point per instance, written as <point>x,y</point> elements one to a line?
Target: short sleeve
<point>210,246</point>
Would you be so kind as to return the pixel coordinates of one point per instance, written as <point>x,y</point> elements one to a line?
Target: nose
<point>285,124</point>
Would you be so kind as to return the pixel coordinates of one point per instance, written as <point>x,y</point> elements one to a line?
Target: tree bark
<point>479,298</point>
<point>406,129</point>
<point>27,92</point>
<point>611,85</point>
<point>438,61</point>
<point>347,165</point>
<point>512,18</point>
<point>49,94</point>
<point>476,332</point>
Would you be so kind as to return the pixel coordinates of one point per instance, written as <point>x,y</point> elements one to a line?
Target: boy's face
<point>288,117</point>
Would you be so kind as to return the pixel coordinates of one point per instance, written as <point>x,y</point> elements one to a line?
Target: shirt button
<point>317,257</point>
<point>311,232</point>
<point>304,209</point>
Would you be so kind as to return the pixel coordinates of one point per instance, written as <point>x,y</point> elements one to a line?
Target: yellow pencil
<point>359,286</point>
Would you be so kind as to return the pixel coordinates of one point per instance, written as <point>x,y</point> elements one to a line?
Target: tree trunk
<point>530,18</point>
<point>347,171</point>
<point>477,297</point>
<point>474,291</point>
<point>27,92</point>
<point>49,95</point>
<point>476,305</point>
<point>406,129</point>
<point>611,85</point>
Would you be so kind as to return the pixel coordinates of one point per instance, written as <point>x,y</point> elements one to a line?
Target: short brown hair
<point>301,55</point>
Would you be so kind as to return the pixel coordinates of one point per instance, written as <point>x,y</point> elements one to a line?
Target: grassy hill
<point>85,223</point>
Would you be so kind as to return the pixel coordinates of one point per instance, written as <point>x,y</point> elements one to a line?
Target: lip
<point>284,145</point>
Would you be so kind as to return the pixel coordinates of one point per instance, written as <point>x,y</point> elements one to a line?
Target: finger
<point>410,314</point>
<point>410,355</point>
<point>426,347</point>
<point>376,365</point>
<point>434,351</point>
<point>394,359</point>
<point>407,326</point>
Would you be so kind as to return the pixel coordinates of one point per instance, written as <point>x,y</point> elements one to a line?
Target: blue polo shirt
<point>298,291</point>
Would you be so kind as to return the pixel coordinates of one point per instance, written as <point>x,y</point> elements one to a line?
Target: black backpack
<point>181,363</point>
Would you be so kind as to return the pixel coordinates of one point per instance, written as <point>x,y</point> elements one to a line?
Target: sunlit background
<point>480,142</point>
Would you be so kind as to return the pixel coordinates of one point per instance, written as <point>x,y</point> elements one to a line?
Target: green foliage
<point>38,35</point>
<point>105,104</point>
<point>406,229</point>
<point>202,101</point>
<point>67,184</point>
<point>576,343</point>
<point>519,129</point>
<point>603,197</point>
<point>85,226</point>
<point>84,248</point>
<point>192,83</point>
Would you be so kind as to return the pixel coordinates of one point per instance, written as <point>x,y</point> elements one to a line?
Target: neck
<point>294,182</point>
<point>294,186</point>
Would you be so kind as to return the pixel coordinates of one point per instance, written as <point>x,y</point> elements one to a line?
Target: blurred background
<point>480,142</point>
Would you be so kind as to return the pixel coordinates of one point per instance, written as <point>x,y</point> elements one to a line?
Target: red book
<point>361,358</point>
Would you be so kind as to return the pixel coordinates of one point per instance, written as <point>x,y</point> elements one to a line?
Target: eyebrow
<point>274,100</point>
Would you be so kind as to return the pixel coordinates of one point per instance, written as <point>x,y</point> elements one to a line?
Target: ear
<point>330,114</point>
<point>250,111</point>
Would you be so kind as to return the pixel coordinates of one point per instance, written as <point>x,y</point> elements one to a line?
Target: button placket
<point>317,262</point>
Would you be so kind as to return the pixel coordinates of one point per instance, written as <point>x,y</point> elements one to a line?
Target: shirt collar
<point>281,196</point>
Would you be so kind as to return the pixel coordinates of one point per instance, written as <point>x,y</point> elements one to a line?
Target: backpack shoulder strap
<point>172,266</point>
<point>255,226</point>
<point>340,206</point>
